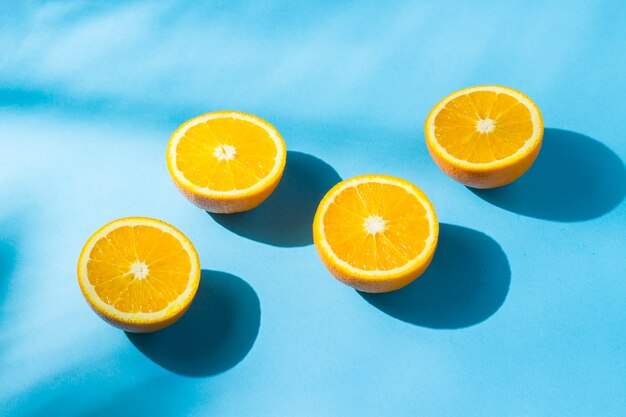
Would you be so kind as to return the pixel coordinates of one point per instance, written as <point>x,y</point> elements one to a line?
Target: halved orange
<point>139,274</point>
<point>376,233</point>
<point>227,161</point>
<point>486,136</point>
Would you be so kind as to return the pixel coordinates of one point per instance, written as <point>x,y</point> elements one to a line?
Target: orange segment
<point>486,136</point>
<point>226,161</point>
<point>376,233</point>
<point>139,274</point>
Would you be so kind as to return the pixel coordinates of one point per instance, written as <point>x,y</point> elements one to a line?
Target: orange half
<point>139,274</point>
<point>227,161</point>
<point>376,233</point>
<point>486,136</point>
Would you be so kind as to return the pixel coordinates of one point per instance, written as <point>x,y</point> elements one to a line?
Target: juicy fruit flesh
<point>225,154</point>
<point>376,226</point>
<point>483,126</point>
<point>138,269</point>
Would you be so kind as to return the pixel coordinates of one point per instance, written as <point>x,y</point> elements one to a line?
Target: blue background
<point>522,312</point>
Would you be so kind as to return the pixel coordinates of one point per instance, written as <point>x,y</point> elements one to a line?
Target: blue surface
<point>521,314</point>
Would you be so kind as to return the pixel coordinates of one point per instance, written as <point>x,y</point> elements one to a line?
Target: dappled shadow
<point>214,335</point>
<point>286,217</point>
<point>574,178</point>
<point>467,282</point>
<point>8,259</point>
<point>7,265</point>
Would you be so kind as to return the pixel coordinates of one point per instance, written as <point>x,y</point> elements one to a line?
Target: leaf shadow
<point>8,258</point>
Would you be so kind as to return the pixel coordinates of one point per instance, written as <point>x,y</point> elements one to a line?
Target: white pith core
<point>374,224</point>
<point>139,269</point>
<point>225,152</point>
<point>486,125</point>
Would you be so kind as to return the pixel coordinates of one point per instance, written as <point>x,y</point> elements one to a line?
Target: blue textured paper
<point>522,312</point>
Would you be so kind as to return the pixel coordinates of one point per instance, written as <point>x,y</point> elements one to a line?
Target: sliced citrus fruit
<point>484,137</point>
<point>376,233</point>
<point>139,274</point>
<point>227,161</point>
